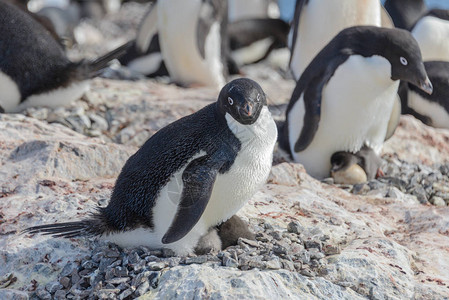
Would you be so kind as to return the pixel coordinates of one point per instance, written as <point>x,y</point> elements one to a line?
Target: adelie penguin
<point>34,69</point>
<point>190,176</point>
<point>354,168</point>
<point>316,22</point>
<point>193,43</point>
<point>432,33</point>
<point>432,110</point>
<point>344,99</point>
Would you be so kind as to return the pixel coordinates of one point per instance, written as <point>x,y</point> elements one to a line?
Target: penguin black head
<point>398,46</point>
<point>404,55</point>
<point>342,160</point>
<point>243,99</point>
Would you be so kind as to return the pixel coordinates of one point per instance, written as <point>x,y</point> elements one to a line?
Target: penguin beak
<point>426,86</point>
<point>248,109</point>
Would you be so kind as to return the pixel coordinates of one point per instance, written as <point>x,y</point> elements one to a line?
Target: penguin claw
<point>380,173</point>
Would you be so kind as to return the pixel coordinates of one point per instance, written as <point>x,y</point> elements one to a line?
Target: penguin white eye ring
<point>230,101</point>
<point>403,60</point>
<point>258,98</point>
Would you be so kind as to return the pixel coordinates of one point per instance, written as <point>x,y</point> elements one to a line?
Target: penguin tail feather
<point>96,66</point>
<point>90,227</point>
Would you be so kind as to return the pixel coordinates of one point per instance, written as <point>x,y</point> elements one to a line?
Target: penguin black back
<point>405,13</point>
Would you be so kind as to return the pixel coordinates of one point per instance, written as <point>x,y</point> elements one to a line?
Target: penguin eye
<point>258,98</point>
<point>403,60</point>
<point>230,101</point>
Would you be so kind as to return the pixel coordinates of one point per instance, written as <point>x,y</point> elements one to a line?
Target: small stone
<point>279,250</point>
<point>304,256</point>
<point>360,189</point>
<point>142,289</point>
<point>156,266</point>
<point>288,265</point>
<point>112,253</point>
<point>274,263</point>
<point>43,294</point>
<point>251,243</point>
<point>196,260</point>
<point>313,244</point>
<point>315,253</point>
<point>420,194</point>
<point>65,281</point>
<point>335,221</point>
<point>120,271</point>
<point>263,237</point>
<point>230,262</point>
<point>331,249</point>
<point>59,295</point>
<point>68,269</point>
<point>118,280</point>
<point>140,278</point>
<point>437,201</point>
<point>268,226</point>
<point>276,235</point>
<point>53,286</point>
<point>307,272</point>
<point>134,258</point>
<point>295,227</point>
<point>107,293</point>
<point>125,294</point>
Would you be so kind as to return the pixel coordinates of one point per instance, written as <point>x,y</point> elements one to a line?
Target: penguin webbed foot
<point>233,229</point>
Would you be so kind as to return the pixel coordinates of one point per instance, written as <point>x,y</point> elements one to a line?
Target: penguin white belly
<point>178,41</point>
<point>355,110</point>
<point>321,20</point>
<point>252,52</point>
<point>432,35</point>
<point>9,93</point>
<point>55,98</point>
<point>437,113</point>
<point>230,192</point>
<point>147,64</point>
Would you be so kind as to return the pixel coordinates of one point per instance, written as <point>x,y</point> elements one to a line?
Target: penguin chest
<point>10,94</point>
<point>438,114</point>
<point>249,171</point>
<point>432,35</point>
<point>356,106</point>
<point>178,40</point>
<point>321,20</point>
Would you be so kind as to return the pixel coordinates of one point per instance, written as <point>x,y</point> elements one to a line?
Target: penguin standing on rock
<point>316,22</point>
<point>34,69</point>
<point>193,43</point>
<point>344,99</point>
<point>190,176</point>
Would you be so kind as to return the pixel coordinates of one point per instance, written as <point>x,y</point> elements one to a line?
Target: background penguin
<point>432,33</point>
<point>190,176</point>
<point>194,44</point>
<point>34,70</point>
<point>345,97</point>
<point>354,168</point>
<point>144,56</point>
<point>247,9</point>
<point>316,22</point>
<point>405,13</point>
<point>252,40</point>
<point>432,110</point>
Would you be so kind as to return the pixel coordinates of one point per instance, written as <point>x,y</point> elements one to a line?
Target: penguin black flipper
<point>198,179</point>
<point>211,10</point>
<point>312,100</point>
<point>295,24</point>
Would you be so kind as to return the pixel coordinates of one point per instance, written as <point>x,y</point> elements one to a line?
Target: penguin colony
<point>182,188</point>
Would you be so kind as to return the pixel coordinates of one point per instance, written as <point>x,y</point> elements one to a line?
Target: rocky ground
<point>386,239</point>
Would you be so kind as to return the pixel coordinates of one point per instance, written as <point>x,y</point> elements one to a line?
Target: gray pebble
<point>230,262</point>
<point>196,260</point>
<point>43,294</point>
<point>156,266</point>
<point>295,227</point>
<point>53,286</point>
<point>59,295</point>
<point>437,201</point>
<point>142,289</point>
